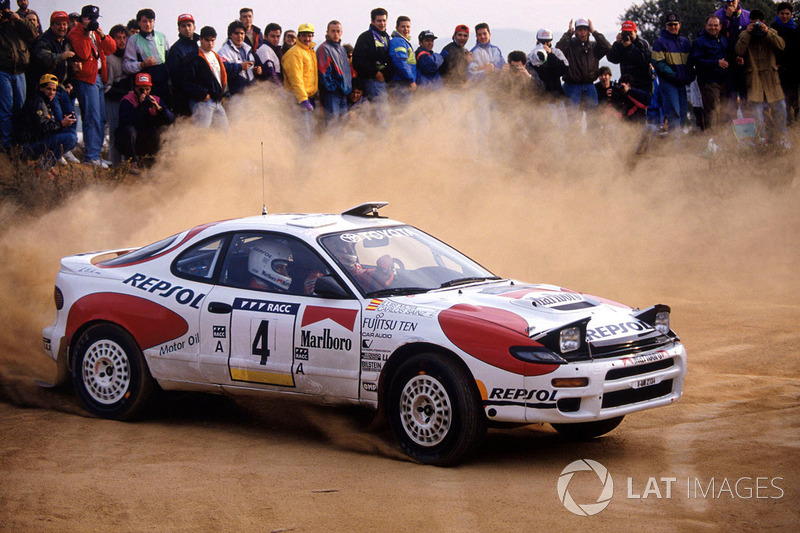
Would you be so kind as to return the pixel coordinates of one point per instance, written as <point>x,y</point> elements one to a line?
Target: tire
<point>434,410</point>
<point>587,430</point>
<point>109,373</point>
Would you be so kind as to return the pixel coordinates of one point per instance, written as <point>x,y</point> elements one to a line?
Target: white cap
<point>581,22</point>
<point>544,35</point>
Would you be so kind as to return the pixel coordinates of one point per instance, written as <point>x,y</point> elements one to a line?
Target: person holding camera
<point>758,44</point>
<point>141,119</point>
<point>38,130</point>
<point>91,46</point>
<point>632,54</point>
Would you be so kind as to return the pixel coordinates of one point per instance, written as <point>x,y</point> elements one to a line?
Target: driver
<point>370,278</point>
<point>269,262</point>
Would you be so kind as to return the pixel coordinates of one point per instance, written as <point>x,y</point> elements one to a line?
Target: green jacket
<point>15,36</point>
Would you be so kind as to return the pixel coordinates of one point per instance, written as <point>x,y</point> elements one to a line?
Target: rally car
<point>355,308</point>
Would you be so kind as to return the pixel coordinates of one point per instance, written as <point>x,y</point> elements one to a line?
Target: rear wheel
<point>587,430</point>
<point>110,374</point>
<point>434,411</point>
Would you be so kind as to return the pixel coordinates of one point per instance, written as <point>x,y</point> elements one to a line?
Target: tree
<point>651,15</point>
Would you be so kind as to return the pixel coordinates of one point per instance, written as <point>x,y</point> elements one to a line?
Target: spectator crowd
<point>131,82</point>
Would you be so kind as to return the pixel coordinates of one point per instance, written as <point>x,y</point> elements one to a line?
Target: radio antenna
<point>263,189</point>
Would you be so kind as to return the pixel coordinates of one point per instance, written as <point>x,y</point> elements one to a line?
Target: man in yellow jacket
<point>299,66</point>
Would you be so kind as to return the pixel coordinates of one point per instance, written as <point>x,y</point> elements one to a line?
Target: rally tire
<point>109,373</point>
<point>583,431</point>
<point>434,410</point>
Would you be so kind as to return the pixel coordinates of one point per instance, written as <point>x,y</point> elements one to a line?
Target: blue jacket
<point>403,59</point>
<point>705,55</point>
<point>333,68</point>
<point>670,58</point>
<point>428,65</point>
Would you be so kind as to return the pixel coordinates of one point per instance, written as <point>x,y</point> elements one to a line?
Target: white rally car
<point>356,308</point>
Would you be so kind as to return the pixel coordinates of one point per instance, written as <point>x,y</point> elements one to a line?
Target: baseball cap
<point>544,35</point>
<point>186,17</point>
<point>426,34</point>
<point>5,4</point>
<point>48,78</point>
<point>59,15</point>
<point>461,27</point>
<point>90,11</point>
<point>582,23</point>
<point>306,27</point>
<point>673,17</point>
<point>143,79</point>
<point>629,25</point>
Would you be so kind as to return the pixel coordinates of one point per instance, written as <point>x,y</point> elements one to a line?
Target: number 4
<point>262,339</point>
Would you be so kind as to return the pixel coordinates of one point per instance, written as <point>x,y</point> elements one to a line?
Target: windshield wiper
<point>464,281</point>
<point>398,291</point>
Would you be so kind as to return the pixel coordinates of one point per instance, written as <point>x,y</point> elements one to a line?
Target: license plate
<point>645,382</point>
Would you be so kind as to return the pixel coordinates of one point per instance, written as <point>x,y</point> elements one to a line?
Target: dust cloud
<point>523,196</point>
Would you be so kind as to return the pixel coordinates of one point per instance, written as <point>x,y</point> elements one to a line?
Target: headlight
<point>569,339</point>
<point>661,323</point>
<point>536,354</point>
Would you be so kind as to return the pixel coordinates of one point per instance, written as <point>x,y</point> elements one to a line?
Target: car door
<point>269,330</point>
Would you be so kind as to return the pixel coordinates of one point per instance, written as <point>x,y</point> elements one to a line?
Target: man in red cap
<point>141,120</point>
<point>456,57</point>
<point>178,57</point>
<point>632,54</point>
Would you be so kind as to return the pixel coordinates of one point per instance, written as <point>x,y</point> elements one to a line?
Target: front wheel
<point>587,430</point>
<point>110,374</point>
<point>434,410</point>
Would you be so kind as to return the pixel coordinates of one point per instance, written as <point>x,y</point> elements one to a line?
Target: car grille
<point>629,396</point>
<point>626,372</point>
<point>653,342</point>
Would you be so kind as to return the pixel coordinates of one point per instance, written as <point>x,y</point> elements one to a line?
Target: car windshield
<point>400,260</point>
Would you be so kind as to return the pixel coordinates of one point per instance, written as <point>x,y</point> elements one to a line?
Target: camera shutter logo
<point>587,509</point>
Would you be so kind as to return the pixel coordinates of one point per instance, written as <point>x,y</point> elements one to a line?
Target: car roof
<point>311,225</point>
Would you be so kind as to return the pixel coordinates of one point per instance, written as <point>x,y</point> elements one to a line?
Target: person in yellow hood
<point>299,66</point>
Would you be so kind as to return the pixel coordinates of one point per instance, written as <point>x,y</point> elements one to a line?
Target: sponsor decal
<point>265,306</point>
<point>179,345</point>
<point>220,332</point>
<point>326,341</point>
<point>165,289</point>
<point>616,330</point>
<point>556,299</point>
<point>378,234</point>
<point>301,353</point>
<point>90,270</point>
<point>344,317</point>
<point>645,358</point>
<point>387,306</point>
<point>370,387</point>
<point>378,323</point>
<point>541,395</point>
<point>373,304</point>
<point>365,343</point>
<point>47,344</point>
<point>371,356</point>
<point>371,366</point>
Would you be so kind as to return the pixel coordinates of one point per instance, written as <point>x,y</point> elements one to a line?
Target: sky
<point>437,15</point>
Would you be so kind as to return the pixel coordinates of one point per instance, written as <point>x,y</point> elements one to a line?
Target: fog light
<point>570,382</point>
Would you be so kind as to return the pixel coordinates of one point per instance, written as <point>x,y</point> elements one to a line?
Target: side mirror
<point>329,287</point>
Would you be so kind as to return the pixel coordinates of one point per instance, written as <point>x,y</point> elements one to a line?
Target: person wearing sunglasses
<point>670,60</point>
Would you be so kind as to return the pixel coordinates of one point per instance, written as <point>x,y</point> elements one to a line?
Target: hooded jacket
<point>88,51</point>
<point>299,66</point>
<point>671,59</point>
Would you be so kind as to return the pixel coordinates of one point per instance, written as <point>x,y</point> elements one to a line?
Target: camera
<point>627,36</point>
<point>540,53</point>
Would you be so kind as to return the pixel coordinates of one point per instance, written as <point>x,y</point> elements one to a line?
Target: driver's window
<point>271,263</point>
<point>199,261</point>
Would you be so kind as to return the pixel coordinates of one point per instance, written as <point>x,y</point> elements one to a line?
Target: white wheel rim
<point>106,372</point>
<point>425,410</point>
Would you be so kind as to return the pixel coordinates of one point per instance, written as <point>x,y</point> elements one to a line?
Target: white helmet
<point>544,35</point>
<point>269,261</point>
<point>344,249</point>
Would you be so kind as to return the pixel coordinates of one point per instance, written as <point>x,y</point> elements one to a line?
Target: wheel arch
<point>403,353</point>
<point>83,328</point>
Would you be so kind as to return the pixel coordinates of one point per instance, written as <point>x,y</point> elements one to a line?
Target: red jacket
<point>87,54</point>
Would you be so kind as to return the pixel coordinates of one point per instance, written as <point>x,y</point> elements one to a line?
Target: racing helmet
<point>344,249</point>
<point>270,262</point>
